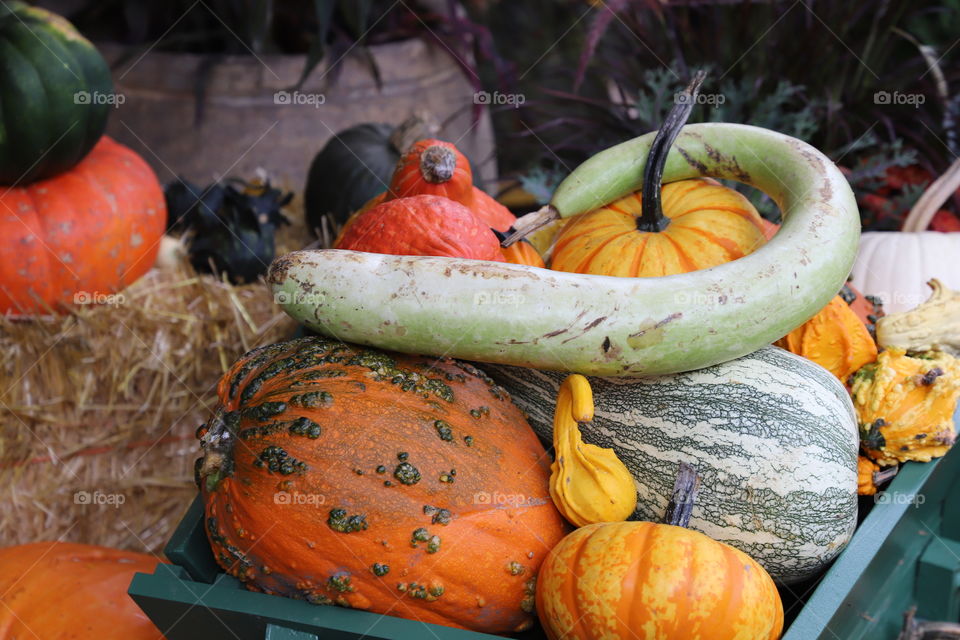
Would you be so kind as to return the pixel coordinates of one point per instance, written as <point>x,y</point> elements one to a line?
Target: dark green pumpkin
<point>55,94</point>
<point>354,166</point>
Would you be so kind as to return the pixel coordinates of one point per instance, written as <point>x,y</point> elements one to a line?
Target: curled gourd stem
<point>588,483</point>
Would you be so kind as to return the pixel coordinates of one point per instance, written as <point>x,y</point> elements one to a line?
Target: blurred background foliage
<point>596,73</point>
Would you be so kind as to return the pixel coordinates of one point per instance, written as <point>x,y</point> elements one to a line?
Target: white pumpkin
<point>895,266</point>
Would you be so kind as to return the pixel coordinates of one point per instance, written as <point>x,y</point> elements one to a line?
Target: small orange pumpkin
<point>421,226</point>
<point>706,225</point>
<point>521,252</point>
<point>683,226</point>
<point>398,484</point>
<point>628,580</point>
<point>63,590</point>
<point>835,338</point>
<point>433,167</point>
<point>870,477</point>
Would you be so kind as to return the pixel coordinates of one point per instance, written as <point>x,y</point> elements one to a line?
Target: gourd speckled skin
<point>905,405</point>
<point>56,92</point>
<point>396,484</point>
<point>90,231</point>
<point>628,580</point>
<point>587,483</point>
<point>709,224</point>
<point>835,338</point>
<point>772,434</point>
<point>933,325</point>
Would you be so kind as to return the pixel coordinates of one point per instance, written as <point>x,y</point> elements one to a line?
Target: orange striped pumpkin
<point>521,252</point>
<point>709,224</point>
<point>628,580</point>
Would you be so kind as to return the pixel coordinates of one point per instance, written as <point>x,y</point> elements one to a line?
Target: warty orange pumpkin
<point>628,580</point>
<point>397,484</point>
<point>421,226</point>
<point>835,338</point>
<point>685,226</point>
<point>63,590</point>
<point>95,229</point>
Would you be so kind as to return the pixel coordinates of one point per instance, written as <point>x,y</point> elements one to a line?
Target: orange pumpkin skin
<point>709,225</point>
<point>422,226</point>
<point>433,167</point>
<point>835,338</point>
<point>491,212</point>
<point>444,479</point>
<point>95,228</point>
<point>523,252</point>
<point>769,228</point>
<point>627,580</point>
<point>869,310</point>
<point>61,590</point>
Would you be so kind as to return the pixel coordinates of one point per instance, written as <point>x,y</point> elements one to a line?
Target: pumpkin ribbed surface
<point>628,580</point>
<point>397,484</point>
<point>522,252</point>
<point>709,225</point>
<point>63,591</point>
<point>491,212</point>
<point>93,229</point>
<point>422,226</point>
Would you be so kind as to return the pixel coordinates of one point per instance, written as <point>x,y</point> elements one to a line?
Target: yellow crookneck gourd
<point>589,484</point>
<point>905,405</point>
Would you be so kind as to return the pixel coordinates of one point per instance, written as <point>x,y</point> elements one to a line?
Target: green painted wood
<point>189,548</point>
<point>275,632</point>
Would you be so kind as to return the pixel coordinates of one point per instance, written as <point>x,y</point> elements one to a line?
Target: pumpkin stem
<point>437,164</point>
<point>651,217</point>
<point>881,477</point>
<point>525,225</point>
<point>684,495</point>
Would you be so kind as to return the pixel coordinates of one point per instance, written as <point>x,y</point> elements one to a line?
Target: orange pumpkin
<point>421,226</point>
<point>397,484</point>
<point>870,477</point>
<point>92,230</point>
<point>433,167</point>
<point>868,308</point>
<point>521,252</point>
<point>491,212</point>
<point>708,225</point>
<point>628,580</point>
<point>835,338</point>
<point>61,590</point>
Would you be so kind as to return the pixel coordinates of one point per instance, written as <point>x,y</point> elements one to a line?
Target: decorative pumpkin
<point>398,484</point>
<point>773,434</point>
<point>628,580</point>
<point>895,265</point>
<point>521,252</point>
<point>587,483</point>
<point>88,232</point>
<point>688,225</point>
<point>769,228</point>
<point>422,226</point>
<point>905,405</point>
<point>934,325</point>
<point>835,338</point>
<point>870,477</point>
<point>433,167</point>
<point>490,211</point>
<point>62,590</point>
<point>56,93</point>
<point>354,166</point>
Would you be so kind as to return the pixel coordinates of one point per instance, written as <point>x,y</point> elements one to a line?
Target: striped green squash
<point>773,436</point>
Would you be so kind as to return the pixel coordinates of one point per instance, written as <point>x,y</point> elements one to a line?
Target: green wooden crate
<point>905,553</point>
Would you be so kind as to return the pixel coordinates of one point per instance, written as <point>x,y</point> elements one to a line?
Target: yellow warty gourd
<point>588,484</point>
<point>905,405</point>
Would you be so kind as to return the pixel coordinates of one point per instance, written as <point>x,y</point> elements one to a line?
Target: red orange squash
<point>398,484</point>
<point>433,167</point>
<point>62,590</point>
<point>521,252</point>
<point>92,230</point>
<point>421,226</point>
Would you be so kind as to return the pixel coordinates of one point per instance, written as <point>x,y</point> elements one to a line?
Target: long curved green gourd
<point>603,325</point>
